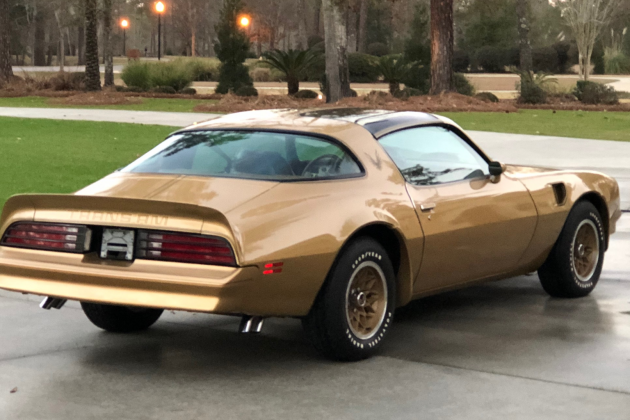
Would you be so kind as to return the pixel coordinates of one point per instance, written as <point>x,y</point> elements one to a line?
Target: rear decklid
<point>222,194</point>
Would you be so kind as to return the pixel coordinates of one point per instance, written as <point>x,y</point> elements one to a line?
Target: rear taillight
<point>48,237</point>
<point>180,247</point>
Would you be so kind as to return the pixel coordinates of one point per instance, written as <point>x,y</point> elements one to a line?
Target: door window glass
<point>433,155</point>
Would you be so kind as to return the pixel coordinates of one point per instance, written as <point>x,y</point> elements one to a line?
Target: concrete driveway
<point>499,351</point>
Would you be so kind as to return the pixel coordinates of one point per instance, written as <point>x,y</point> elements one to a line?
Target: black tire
<point>332,322</point>
<point>120,319</point>
<point>560,275</point>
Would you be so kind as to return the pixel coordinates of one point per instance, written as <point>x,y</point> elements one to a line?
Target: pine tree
<point>231,49</point>
<point>442,45</point>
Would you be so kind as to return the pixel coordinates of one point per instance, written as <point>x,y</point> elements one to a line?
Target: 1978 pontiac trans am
<point>337,217</point>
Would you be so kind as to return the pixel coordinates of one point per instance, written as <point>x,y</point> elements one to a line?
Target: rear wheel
<point>354,310</point>
<point>573,268</point>
<point>120,319</point>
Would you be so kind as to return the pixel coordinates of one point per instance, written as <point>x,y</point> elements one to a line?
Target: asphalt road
<point>499,351</point>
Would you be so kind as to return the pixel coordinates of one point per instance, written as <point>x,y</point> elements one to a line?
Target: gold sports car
<point>336,217</point>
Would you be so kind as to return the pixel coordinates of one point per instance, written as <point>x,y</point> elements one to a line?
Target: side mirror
<point>496,168</point>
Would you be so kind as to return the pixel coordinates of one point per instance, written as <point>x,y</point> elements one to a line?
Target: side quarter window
<point>433,155</point>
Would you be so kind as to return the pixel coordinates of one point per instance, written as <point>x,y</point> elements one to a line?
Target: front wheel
<point>354,310</point>
<point>120,319</point>
<point>573,268</point>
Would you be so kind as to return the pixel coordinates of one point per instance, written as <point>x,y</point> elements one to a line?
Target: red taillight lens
<point>48,237</point>
<point>184,248</point>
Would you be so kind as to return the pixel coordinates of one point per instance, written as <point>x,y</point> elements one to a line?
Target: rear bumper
<point>155,284</point>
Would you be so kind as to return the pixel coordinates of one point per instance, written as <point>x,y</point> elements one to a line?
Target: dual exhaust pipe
<point>249,324</point>
<point>52,303</point>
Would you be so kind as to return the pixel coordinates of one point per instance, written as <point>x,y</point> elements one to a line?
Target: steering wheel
<point>322,165</point>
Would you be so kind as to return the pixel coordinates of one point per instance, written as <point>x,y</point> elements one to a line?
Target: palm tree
<point>293,63</point>
<point>108,55</point>
<point>92,70</point>
<point>6,71</point>
<point>394,70</point>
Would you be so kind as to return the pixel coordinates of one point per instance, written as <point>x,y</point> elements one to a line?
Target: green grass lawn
<point>148,104</point>
<point>579,124</point>
<point>46,156</point>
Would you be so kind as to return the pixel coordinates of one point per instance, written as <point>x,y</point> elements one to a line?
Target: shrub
<point>595,93</point>
<point>364,68</point>
<point>315,40</point>
<point>461,61</point>
<point>418,77</point>
<point>534,87</point>
<point>68,81</point>
<point>164,89</point>
<point>394,70</point>
<point>246,91</point>
<point>513,57</point>
<point>545,60</point>
<point>174,75</point>
<point>189,91</point>
<point>407,93</point>
<point>137,74</point>
<point>306,94</point>
<point>487,97</point>
<point>200,70</point>
<point>617,62</point>
<point>293,64</point>
<point>260,75</point>
<point>462,85</point>
<point>492,59</point>
<point>378,49</point>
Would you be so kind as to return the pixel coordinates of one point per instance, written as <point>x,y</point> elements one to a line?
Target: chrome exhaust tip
<point>52,303</point>
<point>251,324</point>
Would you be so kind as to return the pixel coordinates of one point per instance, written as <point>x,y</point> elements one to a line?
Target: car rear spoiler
<point>115,212</point>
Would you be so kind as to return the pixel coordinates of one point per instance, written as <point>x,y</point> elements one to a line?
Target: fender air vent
<point>560,192</point>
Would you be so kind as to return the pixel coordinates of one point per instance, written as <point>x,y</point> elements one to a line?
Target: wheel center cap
<point>361,299</point>
<point>581,250</point>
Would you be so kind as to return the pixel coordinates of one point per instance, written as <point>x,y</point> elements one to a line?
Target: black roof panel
<point>377,122</point>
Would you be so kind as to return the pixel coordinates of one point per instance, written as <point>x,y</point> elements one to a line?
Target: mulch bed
<point>451,102</point>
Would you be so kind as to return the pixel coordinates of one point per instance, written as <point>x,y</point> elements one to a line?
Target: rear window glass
<point>251,155</point>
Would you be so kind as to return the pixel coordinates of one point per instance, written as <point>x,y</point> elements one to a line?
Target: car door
<point>475,225</point>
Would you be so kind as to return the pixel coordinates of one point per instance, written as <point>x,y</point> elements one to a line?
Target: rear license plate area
<point>118,244</point>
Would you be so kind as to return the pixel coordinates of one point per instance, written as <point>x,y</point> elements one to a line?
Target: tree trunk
<point>293,83</point>
<point>92,70</point>
<point>337,70</point>
<point>394,88</point>
<point>318,17</point>
<point>108,51</point>
<point>6,71</point>
<point>302,26</point>
<point>352,22</point>
<point>39,53</point>
<point>362,35</point>
<point>442,44</point>
<point>81,45</point>
<point>61,50</point>
<point>523,36</point>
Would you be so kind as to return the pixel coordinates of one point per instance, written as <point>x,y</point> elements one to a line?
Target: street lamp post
<point>124,24</point>
<point>159,8</point>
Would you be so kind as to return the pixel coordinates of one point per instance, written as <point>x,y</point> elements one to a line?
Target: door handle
<point>427,207</point>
